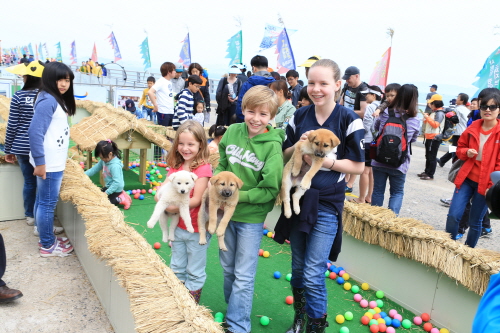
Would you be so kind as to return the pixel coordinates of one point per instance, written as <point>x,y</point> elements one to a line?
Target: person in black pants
<point>432,131</point>
<point>446,157</point>
<point>6,294</point>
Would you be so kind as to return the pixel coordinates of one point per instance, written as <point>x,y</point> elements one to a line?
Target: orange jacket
<point>490,159</point>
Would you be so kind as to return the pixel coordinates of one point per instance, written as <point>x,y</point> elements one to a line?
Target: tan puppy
<point>222,200</point>
<point>298,173</point>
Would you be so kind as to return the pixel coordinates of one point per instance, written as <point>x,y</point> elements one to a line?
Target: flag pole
<point>390,33</point>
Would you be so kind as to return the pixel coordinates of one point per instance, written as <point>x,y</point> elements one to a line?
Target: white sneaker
<point>58,249</point>
<point>30,221</point>
<point>57,231</point>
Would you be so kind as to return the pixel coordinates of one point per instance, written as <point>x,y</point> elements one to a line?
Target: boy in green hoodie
<point>252,151</point>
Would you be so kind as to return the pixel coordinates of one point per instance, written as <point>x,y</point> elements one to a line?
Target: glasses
<point>491,107</point>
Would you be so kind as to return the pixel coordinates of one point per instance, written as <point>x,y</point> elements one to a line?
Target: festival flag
<point>59,52</point>
<point>19,53</point>
<point>235,49</point>
<point>26,50</point>
<point>73,53</point>
<point>46,50</point>
<point>40,50</point>
<point>271,34</point>
<point>381,71</point>
<point>286,60</point>
<point>185,55</point>
<point>94,54</point>
<point>489,75</point>
<point>145,53</point>
<point>30,49</point>
<point>114,46</point>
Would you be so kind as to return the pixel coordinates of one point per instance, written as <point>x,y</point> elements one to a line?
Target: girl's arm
<point>95,169</point>
<point>12,124</point>
<point>44,111</point>
<point>117,183</point>
<point>200,186</point>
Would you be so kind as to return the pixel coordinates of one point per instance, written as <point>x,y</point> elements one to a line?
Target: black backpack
<point>392,141</point>
<point>449,126</point>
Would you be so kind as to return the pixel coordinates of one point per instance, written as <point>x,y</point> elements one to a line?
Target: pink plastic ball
<point>134,191</point>
<point>341,272</point>
<point>150,191</point>
<point>328,265</point>
<point>392,313</point>
<point>434,330</point>
<point>373,304</point>
<point>417,320</point>
<point>390,330</point>
<point>398,317</point>
<point>358,298</point>
<point>363,303</point>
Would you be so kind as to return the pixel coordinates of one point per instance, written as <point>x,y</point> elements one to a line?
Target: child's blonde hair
<point>260,95</point>
<point>175,159</point>
<point>327,63</point>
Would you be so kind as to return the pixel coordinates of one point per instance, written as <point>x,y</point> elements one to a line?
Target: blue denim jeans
<point>309,257</point>
<point>396,187</point>
<point>240,265</point>
<point>29,189</point>
<point>478,208</point>
<point>47,195</point>
<point>189,258</point>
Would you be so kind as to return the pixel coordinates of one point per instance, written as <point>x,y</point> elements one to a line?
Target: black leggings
<point>3,260</point>
<point>431,150</point>
<point>113,197</point>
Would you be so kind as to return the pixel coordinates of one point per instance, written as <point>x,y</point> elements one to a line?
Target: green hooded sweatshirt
<point>258,162</point>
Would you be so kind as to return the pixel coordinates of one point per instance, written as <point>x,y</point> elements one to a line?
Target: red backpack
<point>392,141</point>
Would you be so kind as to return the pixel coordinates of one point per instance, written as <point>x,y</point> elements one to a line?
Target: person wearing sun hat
<point>308,63</point>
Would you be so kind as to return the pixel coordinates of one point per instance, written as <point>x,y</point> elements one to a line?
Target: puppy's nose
<point>319,154</point>
<point>227,193</point>
<point>183,191</point>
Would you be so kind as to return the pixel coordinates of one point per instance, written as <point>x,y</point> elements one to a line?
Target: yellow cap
<point>310,61</point>
<point>34,68</point>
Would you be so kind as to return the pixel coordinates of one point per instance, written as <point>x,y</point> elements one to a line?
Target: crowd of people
<point>268,116</point>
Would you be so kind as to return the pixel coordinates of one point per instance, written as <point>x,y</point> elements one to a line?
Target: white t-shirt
<point>164,96</point>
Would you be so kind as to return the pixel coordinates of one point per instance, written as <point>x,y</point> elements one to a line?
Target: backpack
<point>392,141</point>
<point>450,122</point>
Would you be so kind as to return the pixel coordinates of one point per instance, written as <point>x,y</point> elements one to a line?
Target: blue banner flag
<point>286,61</point>
<point>73,53</point>
<point>489,75</point>
<point>114,46</point>
<point>235,48</point>
<point>271,34</point>
<point>185,55</point>
<point>46,50</point>
<point>59,53</point>
<point>145,53</point>
<point>40,50</point>
<point>30,48</point>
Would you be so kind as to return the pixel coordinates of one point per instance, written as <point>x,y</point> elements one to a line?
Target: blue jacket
<point>254,80</point>
<point>112,172</point>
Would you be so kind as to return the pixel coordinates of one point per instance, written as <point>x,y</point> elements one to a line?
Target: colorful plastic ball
<point>129,192</point>
<point>153,193</point>
<point>288,277</point>
<point>341,268</point>
<point>365,286</point>
<point>143,191</point>
<point>327,273</point>
<point>289,300</point>
<point>261,252</point>
<point>344,329</point>
<point>160,176</point>
<point>150,191</point>
<point>348,315</point>
<point>340,319</point>
<point>152,178</point>
<point>357,297</point>
<point>136,196</point>
<point>380,303</point>
<point>328,265</point>
<point>218,319</point>
<point>444,330</point>
<point>434,330</point>
<point>346,276</point>
<point>396,323</point>
<point>372,311</point>
<point>369,315</point>
<point>406,323</point>
<point>373,322</point>
<point>373,304</point>
<point>332,275</point>
<point>381,321</point>
<point>264,320</point>
<point>398,317</point>
<point>392,313</point>
<point>342,272</point>
<point>376,316</point>
<point>390,330</point>
<point>264,232</point>
<point>340,280</point>
<point>355,289</point>
<point>388,320</point>
<point>382,327</point>
<point>270,234</point>
<point>266,254</point>
<point>363,303</point>
<point>141,197</point>
<point>374,328</point>
<point>365,320</point>
<point>379,294</point>
<point>417,320</point>
<point>219,314</point>
<point>277,275</point>
<point>347,286</point>
<point>134,191</point>
<point>332,268</point>
<point>383,314</point>
<point>157,245</point>
<point>425,316</point>
<point>427,327</point>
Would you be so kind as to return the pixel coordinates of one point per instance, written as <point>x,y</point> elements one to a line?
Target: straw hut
<point>128,132</point>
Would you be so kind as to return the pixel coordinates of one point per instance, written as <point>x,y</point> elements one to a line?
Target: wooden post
<point>89,160</point>
<point>126,157</point>
<point>142,170</point>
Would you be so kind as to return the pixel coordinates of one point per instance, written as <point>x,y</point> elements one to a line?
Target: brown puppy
<point>222,200</point>
<point>297,173</point>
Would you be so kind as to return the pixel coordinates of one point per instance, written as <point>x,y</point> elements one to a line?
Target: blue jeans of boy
<point>478,208</point>
<point>29,189</point>
<point>189,258</point>
<point>240,265</point>
<point>309,257</point>
<point>47,195</point>
<point>396,187</point>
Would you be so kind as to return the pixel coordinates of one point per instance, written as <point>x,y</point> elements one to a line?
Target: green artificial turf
<point>270,293</point>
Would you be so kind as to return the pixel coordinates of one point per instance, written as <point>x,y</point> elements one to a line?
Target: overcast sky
<point>441,42</point>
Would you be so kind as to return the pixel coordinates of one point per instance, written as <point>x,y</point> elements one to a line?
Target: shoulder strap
<point>391,113</point>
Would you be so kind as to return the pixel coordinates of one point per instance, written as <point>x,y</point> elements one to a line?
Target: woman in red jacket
<point>479,148</point>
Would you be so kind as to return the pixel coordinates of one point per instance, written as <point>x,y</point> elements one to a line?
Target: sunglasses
<point>491,107</point>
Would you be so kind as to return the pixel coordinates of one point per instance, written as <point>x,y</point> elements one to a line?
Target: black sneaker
<point>485,232</point>
<point>441,164</point>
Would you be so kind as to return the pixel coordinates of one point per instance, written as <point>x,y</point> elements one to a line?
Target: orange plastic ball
<point>425,317</point>
<point>365,320</point>
<point>376,316</point>
<point>382,327</point>
<point>289,300</point>
<point>261,252</point>
<point>374,328</point>
<point>427,327</point>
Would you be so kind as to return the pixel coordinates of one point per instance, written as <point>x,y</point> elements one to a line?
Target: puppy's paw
<point>165,239</point>
<point>171,238</point>
<point>305,184</point>
<point>202,242</point>
<point>295,171</point>
<point>189,228</point>
<point>296,210</point>
<point>288,212</point>
<point>151,224</point>
<point>223,248</point>
<point>211,229</point>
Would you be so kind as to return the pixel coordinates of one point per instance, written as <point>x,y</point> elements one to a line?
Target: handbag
<point>455,167</point>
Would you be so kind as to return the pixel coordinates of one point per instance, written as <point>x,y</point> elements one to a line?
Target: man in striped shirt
<point>184,108</point>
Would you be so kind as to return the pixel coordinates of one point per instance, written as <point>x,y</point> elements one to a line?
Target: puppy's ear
<point>239,183</point>
<point>194,176</point>
<point>171,177</point>
<point>311,136</point>
<point>335,141</point>
<point>214,180</point>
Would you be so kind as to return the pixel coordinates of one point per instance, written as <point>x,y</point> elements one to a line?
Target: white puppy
<point>176,193</point>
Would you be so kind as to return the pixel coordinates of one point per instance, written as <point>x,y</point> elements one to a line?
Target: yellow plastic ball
<point>444,330</point>
<point>346,276</point>
<point>160,176</point>
<point>369,315</point>
<point>340,319</point>
<point>377,309</point>
<point>266,254</point>
<point>347,286</point>
<point>270,234</point>
<point>381,321</point>
<point>365,286</point>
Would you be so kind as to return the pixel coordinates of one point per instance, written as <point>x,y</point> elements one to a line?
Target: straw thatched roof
<point>108,122</point>
<point>4,108</point>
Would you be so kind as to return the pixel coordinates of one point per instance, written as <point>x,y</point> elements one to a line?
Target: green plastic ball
<point>355,289</point>
<point>373,322</point>
<point>379,294</point>
<point>264,320</point>
<point>348,315</point>
<point>218,319</point>
<point>288,276</point>
<point>153,193</point>
<point>372,311</point>
<point>406,323</point>
<point>327,273</point>
<point>380,303</point>
<point>344,329</point>
<point>219,315</point>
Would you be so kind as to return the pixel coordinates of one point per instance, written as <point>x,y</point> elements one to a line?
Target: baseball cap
<point>130,105</point>
<point>435,97</point>
<point>434,86</point>
<point>310,61</point>
<point>351,70</point>
<point>234,70</point>
<point>179,68</point>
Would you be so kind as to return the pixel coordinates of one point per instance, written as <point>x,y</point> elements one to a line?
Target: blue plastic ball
<point>141,197</point>
<point>383,314</point>
<point>388,320</point>
<point>396,323</point>
<point>130,167</point>
<point>332,268</point>
<point>277,275</point>
<point>129,192</point>
<point>264,232</point>
<point>340,280</point>
<point>337,270</point>
<point>341,268</point>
